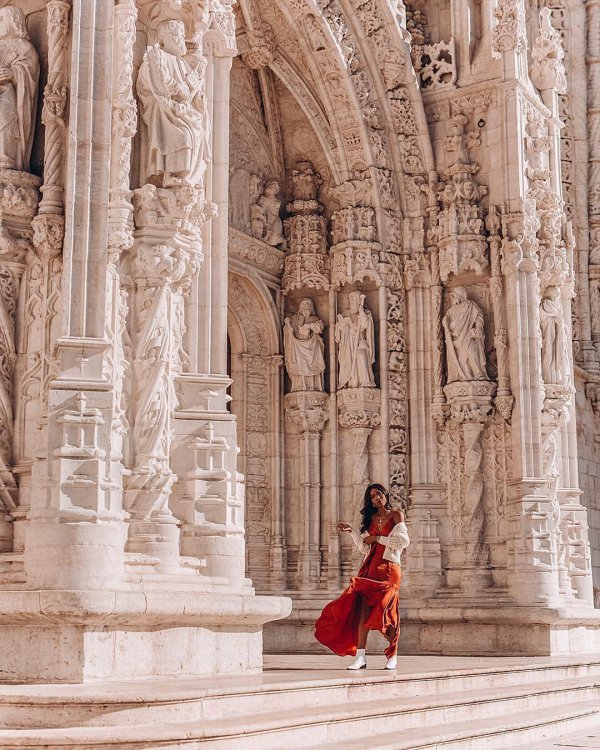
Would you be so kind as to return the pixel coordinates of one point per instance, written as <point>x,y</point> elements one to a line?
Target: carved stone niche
<point>355,254</point>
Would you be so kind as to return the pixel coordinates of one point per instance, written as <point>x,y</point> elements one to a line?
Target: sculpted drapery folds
<point>170,90</point>
<point>554,338</point>
<point>356,338</point>
<point>303,346</point>
<point>266,223</point>
<point>464,333</point>
<point>19,72</point>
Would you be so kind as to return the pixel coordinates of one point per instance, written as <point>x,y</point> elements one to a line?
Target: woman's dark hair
<point>368,511</point>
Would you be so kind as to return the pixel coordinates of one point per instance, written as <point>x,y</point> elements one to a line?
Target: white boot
<point>392,662</point>
<point>360,662</point>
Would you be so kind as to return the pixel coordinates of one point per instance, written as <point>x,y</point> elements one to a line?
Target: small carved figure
<point>465,337</point>
<point>19,73</point>
<point>174,121</point>
<point>266,222</point>
<point>303,347</point>
<point>355,335</point>
<point>554,338</point>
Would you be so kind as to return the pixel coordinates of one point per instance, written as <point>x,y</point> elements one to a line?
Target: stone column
<point>209,499</point>
<point>359,413</point>
<point>74,517</point>
<point>308,412</point>
<point>592,58</point>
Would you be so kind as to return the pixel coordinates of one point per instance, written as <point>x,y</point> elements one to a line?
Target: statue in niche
<point>19,73</point>
<point>355,334</point>
<point>173,118</point>
<point>303,347</point>
<point>554,338</point>
<point>266,223</point>
<point>244,191</point>
<point>465,338</point>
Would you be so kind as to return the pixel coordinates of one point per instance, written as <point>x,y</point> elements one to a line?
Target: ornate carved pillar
<point>592,57</point>
<point>471,408</point>
<point>214,511</point>
<point>359,412</point>
<point>73,511</point>
<point>308,412</point>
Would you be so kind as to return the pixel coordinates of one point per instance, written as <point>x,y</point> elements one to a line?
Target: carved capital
<point>470,401</point>
<point>307,410</point>
<point>359,407</point>
<point>48,235</point>
<point>509,32</point>
<point>548,70</point>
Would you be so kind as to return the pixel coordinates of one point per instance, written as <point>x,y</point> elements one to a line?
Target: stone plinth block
<point>77,636</point>
<point>359,407</point>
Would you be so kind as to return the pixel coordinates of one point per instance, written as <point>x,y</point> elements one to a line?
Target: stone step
<point>280,723</point>
<point>178,699</point>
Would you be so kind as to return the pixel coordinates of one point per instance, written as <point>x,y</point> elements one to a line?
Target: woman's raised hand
<point>344,527</point>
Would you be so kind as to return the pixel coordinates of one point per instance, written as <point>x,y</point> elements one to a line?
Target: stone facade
<point>254,256</point>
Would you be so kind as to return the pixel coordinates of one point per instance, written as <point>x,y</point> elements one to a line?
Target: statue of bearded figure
<point>19,73</point>
<point>171,94</point>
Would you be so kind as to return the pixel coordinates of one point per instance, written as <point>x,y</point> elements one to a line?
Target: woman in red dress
<point>371,601</point>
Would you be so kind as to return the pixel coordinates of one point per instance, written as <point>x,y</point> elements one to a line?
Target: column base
<point>78,636</point>
<point>453,630</point>
<point>499,631</point>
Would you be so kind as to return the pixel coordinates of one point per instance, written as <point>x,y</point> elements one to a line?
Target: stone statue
<point>244,191</point>
<point>355,335</point>
<point>19,73</point>
<point>266,223</point>
<point>465,337</point>
<point>174,122</point>
<point>554,338</point>
<point>303,347</point>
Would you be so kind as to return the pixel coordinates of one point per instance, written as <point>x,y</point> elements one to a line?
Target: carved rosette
<point>355,255</point>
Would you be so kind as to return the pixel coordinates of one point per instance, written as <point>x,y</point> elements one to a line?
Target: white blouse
<point>394,544</point>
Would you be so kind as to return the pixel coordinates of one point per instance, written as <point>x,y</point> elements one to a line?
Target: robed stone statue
<point>171,96</point>
<point>555,355</point>
<point>355,335</point>
<point>303,347</point>
<point>465,338</point>
<point>19,73</point>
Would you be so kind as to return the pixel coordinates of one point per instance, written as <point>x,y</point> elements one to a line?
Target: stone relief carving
<point>264,215</point>
<point>354,334</point>
<point>304,348</point>
<point>19,73</point>
<point>170,91</point>
<point>306,262</point>
<point>465,339</point>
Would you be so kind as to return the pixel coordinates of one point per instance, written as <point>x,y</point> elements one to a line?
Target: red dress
<point>378,583</point>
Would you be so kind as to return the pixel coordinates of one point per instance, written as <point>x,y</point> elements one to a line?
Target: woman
<point>371,600</point>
